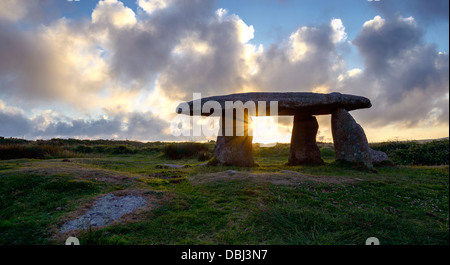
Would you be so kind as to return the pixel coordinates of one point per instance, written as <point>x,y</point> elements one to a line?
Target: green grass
<point>393,206</point>
<point>29,205</point>
<point>401,204</point>
<point>393,210</point>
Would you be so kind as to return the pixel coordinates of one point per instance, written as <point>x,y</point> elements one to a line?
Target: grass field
<point>271,204</point>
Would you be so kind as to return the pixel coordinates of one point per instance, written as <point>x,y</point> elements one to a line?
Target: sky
<point>115,69</point>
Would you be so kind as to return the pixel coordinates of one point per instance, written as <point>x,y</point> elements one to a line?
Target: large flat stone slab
<point>289,103</point>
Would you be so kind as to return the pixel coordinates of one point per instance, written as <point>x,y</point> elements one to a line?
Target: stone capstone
<point>289,103</point>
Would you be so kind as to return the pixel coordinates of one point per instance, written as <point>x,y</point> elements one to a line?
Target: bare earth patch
<point>284,177</point>
<point>106,210</point>
<point>117,207</point>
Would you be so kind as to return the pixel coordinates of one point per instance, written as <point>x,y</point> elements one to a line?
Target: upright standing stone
<point>304,149</point>
<point>234,150</point>
<point>237,150</point>
<point>350,142</point>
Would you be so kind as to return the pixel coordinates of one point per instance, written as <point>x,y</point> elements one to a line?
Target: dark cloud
<point>145,126</point>
<point>49,64</point>
<point>406,79</point>
<point>101,128</point>
<point>140,53</point>
<point>426,12</point>
<point>281,71</point>
<point>136,126</point>
<point>431,10</point>
<point>219,71</point>
<point>22,68</point>
<point>381,41</point>
<point>14,124</point>
<point>302,63</point>
<point>190,47</point>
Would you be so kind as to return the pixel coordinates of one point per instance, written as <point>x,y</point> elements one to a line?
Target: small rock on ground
<point>170,166</point>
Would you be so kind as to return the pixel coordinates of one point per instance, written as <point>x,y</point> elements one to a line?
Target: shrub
<point>149,150</point>
<point>204,156</point>
<point>100,148</point>
<point>17,151</point>
<point>327,152</point>
<point>20,151</point>
<point>122,149</point>
<point>4,140</point>
<point>414,153</point>
<point>278,150</point>
<point>83,149</point>
<point>184,150</point>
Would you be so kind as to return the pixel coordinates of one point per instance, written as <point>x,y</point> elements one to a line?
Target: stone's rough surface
<point>292,103</point>
<point>108,209</point>
<point>378,156</point>
<point>234,150</point>
<point>350,142</point>
<point>349,139</point>
<point>304,149</point>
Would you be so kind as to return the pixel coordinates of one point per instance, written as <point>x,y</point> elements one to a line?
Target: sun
<point>266,130</point>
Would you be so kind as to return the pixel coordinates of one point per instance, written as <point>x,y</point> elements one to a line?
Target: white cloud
<point>376,23</point>
<point>221,13</point>
<point>299,47</point>
<point>246,33</point>
<point>193,44</point>
<point>349,74</point>
<point>339,34</point>
<point>113,12</point>
<point>10,109</point>
<point>151,6</point>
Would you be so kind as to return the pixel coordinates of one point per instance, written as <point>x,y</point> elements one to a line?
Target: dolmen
<point>234,140</point>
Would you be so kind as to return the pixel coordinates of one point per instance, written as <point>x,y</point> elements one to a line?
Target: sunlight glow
<point>267,131</point>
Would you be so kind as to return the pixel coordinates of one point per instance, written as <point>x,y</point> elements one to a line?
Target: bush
<point>204,156</point>
<point>4,140</point>
<point>100,148</point>
<point>149,150</point>
<point>122,149</point>
<point>327,152</point>
<point>18,151</point>
<point>277,150</point>
<point>184,150</point>
<point>414,153</point>
<point>83,149</point>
